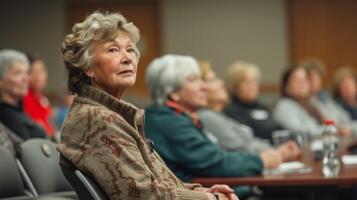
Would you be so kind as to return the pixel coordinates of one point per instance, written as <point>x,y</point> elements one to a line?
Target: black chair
<point>85,187</point>
<point>11,183</point>
<point>39,160</point>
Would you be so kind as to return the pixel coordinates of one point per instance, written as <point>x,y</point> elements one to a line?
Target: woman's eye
<point>113,50</point>
<point>131,50</point>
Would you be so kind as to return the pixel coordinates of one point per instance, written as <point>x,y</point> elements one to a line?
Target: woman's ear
<point>89,72</point>
<point>174,97</point>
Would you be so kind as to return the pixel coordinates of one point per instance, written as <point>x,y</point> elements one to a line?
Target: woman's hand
<point>289,151</point>
<point>223,191</point>
<point>271,158</point>
<point>344,132</point>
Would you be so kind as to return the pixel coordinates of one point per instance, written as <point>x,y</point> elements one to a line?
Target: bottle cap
<point>329,122</point>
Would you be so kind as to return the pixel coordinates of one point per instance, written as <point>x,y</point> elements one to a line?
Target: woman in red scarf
<point>36,104</point>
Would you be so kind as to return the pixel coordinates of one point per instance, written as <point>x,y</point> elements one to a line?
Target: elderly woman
<point>326,105</point>
<point>345,90</point>
<point>232,135</point>
<point>243,85</point>
<point>14,83</point>
<point>171,122</point>
<point>103,135</point>
<point>36,104</point>
<point>294,110</point>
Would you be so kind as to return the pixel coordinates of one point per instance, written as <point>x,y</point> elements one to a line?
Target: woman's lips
<point>128,71</point>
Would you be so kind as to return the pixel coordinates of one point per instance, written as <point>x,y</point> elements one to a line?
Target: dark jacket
<point>9,140</point>
<point>350,109</point>
<point>187,150</point>
<point>255,115</point>
<point>14,118</point>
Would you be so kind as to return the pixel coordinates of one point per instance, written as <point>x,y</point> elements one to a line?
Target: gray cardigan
<point>295,117</point>
<point>331,110</point>
<point>231,135</point>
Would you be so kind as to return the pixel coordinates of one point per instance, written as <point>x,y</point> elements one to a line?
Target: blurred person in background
<point>36,104</point>
<point>294,109</point>
<point>9,140</point>
<point>14,84</point>
<point>65,102</point>
<point>323,101</point>
<point>345,90</point>
<point>103,135</point>
<point>232,135</point>
<point>172,123</point>
<point>242,80</point>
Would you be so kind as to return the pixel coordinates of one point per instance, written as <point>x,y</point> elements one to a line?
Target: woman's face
<point>15,82</point>
<point>348,88</point>
<point>298,85</point>
<point>247,89</point>
<point>38,76</point>
<point>216,91</point>
<point>114,65</point>
<point>315,80</point>
<point>192,93</point>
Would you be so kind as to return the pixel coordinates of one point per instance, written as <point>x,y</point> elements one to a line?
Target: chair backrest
<point>11,184</point>
<point>85,187</point>
<point>40,159</point>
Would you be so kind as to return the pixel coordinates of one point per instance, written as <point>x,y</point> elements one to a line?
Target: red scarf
<point>179,110</point>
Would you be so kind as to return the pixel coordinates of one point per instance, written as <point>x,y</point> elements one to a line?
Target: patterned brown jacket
<point>103,137</point>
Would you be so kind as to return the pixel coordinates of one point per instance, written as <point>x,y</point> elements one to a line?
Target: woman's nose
<point>203,85</point>
<point>126,58</point>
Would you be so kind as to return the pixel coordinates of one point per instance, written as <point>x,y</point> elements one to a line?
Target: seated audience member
<point>243,85</point>
<point>345,90</point>
<point>62,111</point>
<point>13,87</point>
<point>177,132</point>
<point>8,139</point>
<point>232,135</point>
<point>36,104</point>
<point>326,105</point>
<point>103,135</point>
<point>294,110</point>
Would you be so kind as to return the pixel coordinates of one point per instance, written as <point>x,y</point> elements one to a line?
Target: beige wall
<point>216,30</point>
<point>35,26</point>
<point>223,31</point>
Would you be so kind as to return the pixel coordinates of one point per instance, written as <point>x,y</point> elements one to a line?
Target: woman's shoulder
<point>84,109</point>
<point>165,117</point>
<point>286,102</point>
<point>208,114</point>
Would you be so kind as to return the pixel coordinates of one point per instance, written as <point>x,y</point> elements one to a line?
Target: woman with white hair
<point>103,135</point>
<point>171,122</point>
<point>14,83</point>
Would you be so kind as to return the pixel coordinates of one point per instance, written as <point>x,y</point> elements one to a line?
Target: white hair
<point>8,57</point>
<point>167,74</point>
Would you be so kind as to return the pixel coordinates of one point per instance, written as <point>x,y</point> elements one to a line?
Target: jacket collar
<point>129,112</point>
<point>181,110</point>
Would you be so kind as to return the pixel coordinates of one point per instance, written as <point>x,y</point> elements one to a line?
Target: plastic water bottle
<point>330,161</point>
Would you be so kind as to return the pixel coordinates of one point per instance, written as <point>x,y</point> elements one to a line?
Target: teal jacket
<point>188,152</point>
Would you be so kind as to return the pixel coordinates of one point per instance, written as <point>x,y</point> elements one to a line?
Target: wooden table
<point>346,178</point>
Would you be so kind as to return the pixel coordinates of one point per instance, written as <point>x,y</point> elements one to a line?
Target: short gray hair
<point>8,57</point>
<point>167,74</point>
<point>77,46</point>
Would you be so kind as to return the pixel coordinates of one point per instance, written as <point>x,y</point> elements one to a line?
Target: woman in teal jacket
<point>177,132</point>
